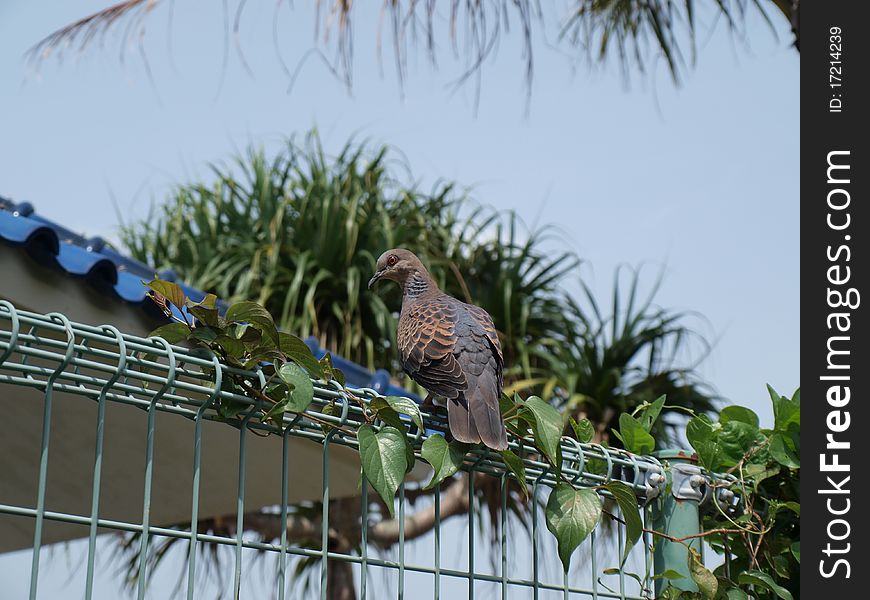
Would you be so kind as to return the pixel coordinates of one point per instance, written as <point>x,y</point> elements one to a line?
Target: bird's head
<point>399,265</point>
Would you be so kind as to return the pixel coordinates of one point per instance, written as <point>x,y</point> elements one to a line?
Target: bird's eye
<point>392,260</point>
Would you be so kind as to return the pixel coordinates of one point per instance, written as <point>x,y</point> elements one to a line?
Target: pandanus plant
<point>300,233</point>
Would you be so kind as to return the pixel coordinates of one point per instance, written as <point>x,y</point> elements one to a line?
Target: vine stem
<point>670,538</point>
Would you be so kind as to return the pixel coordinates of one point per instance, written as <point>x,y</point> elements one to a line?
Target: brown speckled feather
<point>426,339</point>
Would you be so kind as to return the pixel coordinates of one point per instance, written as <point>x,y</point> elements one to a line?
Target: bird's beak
<point>375,277</point>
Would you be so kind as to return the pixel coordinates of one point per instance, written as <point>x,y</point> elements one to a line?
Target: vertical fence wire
<point>594,560</point>
<point>364,537</point>
<point>401,592</point>
<point>197,459</point>
<point>471,532</point>
<point>149,467</point>
<point>285,477</point>
<point>324,523</point>
<point>503,528</point>
<point>98,457</point>
<point>437,586</point>
<point>43,452</point>
<point>240,502</point>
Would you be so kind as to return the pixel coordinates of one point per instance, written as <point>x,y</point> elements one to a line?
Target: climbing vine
<point>757,535</point>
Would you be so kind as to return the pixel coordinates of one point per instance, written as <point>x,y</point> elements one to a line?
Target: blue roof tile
<point>93,260</point>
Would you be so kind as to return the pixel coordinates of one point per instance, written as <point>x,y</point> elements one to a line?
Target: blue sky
<point>701,180</point>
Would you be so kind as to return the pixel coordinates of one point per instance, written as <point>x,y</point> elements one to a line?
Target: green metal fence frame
<point>155,376</point>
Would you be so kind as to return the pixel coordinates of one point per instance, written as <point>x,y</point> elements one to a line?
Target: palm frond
<point>633,33</point>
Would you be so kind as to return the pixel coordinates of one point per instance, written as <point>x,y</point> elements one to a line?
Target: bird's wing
<point>427,339</point>
<point>481,362</point>
<point>485,321</point>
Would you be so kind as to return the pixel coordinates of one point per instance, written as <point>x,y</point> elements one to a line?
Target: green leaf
<point>759,472</point>
<point>251,312</point>
<point>205,316</point>
<point>669,574</point>
<point>796,551</point>
<point>546,427</point>
<point>299,352</point>
<point>650,412</point>
<point>516,466</point>
<point>384,460</point>
<point>736,439</point>
<point>301,388</point>
<point>736,594</point>
<point>392,418</point>
<point>669,593</point>
<point>401,405</point>
<point>761,579</point>
<point>616,571</point>
<point>634,437</point>
<point>584,430</point>
<point>505,403</point>
<point>627,502</point>
<point>262,356</point>
<point>699,429</point>
<point>571,516</point>
<point>332,410</point>
<point>709,454</point>
<point>233,347</point>
<point>171,291</point>
<point>445,458</point>
<point>209,301</point>
<point>738,413</point>
<point>782,453</point>
<point>785,411</point>
<point>701,575</point>
<point>248,334</point>
<point>204,334</point>
<point>171,332</point>
<point>205,310</point>
<point>229,408</point>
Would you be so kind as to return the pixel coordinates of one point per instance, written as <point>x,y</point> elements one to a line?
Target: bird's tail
<point>478,418</point>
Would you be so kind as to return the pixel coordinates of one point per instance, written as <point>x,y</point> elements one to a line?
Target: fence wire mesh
<point>91,372</point>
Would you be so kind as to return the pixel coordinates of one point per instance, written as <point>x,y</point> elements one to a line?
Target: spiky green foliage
<point>300,233</point>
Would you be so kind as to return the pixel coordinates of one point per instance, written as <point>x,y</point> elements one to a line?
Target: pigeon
<point>450,348</point>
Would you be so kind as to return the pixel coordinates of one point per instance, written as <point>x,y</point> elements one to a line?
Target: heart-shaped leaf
<point>571,516</point>
<point>445,458</point>
<point>782,452</point>
<point>546,425</point>
<point>171,332</point>
<point>515,464</point>
<point>761,579</point>
<point>301,388</point>
<point>251,312</point>
<point>738,413</point>
<point>650,412</point>
<point>171,291</point>
<point>627,502</point>
<point>298,351</point>
<point>384,461</point>
<point>707,582</point>
<point>401,405</point>
<point>583,429</point>
<point>634,437</point>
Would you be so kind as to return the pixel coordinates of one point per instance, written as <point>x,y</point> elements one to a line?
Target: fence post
<point>676,513</point>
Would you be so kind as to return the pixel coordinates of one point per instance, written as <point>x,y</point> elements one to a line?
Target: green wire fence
<point>52,355</point>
